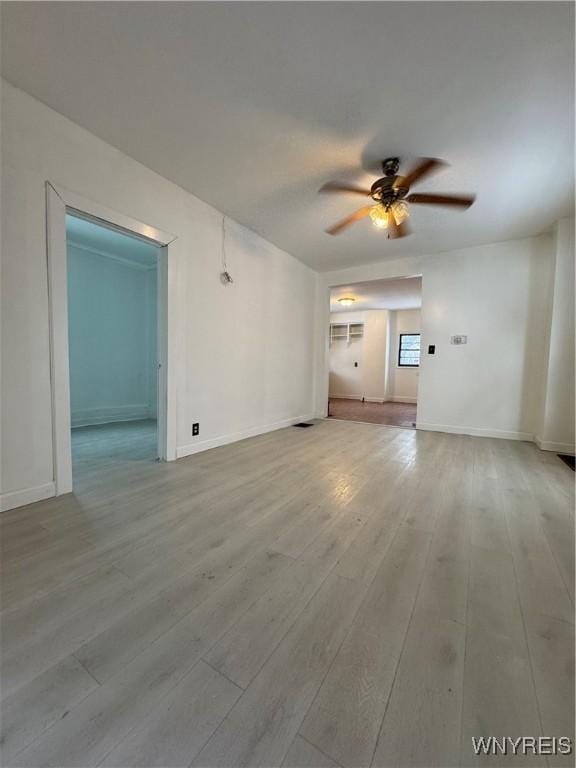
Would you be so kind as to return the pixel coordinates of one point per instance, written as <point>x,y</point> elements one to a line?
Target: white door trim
<point>164,404</point>
<point>58,201</point>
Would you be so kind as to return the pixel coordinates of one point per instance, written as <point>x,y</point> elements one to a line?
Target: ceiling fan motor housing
<point>383,190</point>
<point>390,166</point>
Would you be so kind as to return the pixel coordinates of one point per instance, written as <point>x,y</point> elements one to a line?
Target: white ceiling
<point>253,106</point>
<point>110,242</point>
<point>404,293</point>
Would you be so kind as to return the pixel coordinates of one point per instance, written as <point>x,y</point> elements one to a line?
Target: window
<point>409,350</point>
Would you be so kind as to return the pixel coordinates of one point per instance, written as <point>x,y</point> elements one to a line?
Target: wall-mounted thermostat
<point>460,339</point>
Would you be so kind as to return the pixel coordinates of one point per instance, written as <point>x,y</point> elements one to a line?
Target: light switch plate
<point>459,339</point>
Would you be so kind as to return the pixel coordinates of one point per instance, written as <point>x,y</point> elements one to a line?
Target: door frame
<point>60,201</point>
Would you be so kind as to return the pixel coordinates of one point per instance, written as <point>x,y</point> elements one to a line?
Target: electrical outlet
<point>195,429</point>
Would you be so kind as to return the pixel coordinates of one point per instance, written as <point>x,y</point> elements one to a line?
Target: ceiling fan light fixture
<point>400,211</point>
<point>379,216</point>
<point>346,301</point>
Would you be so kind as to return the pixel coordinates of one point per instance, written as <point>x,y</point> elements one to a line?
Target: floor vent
<point>303,424</point>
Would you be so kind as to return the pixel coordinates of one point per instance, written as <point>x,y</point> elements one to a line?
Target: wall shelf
<point>346,331</point>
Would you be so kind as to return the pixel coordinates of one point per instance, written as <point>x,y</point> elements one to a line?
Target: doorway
<point>60,203</point>
<point>374,352</point>
<point>113,343</point>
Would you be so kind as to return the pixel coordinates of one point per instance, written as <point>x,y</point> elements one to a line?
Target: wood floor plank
<point>47,699</point>
<point>422,723</point>
<point>421,726</point>
<point>345,718</point>
<point>244,650</point>
<point>260,728</point>
<point>302,754</point>
<point>38,615</point>
<point>539,580</point>
<point>180,726</point>
<point>551,644</point>
<point>555,510</point>
<point>499,691</point>
<point>223,517</point>
<point>107,653</point>
<point>294,540</point>
<point>487,523</point>
<point>362,559</point>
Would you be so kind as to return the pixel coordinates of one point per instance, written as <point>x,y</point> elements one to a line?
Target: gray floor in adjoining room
<point>336,596</point>
<point>124,440</point>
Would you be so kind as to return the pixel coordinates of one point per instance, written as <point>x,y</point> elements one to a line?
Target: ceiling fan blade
<point>426,167</point>
<point>334,186</point>
<point>335,229</point>
<point>459,201</point>
<point>395,229</point>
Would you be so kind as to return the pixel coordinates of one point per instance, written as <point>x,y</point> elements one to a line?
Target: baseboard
<point>346,397</point>
<point>25,496</point>
<point>401,399</point>
<point>501,434</point>
<point>92,416</point>
<point>375,400</point>
<point>547,445</point>
<point>206,445</point>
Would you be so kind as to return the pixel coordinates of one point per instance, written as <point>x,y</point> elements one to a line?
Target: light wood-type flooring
<point>345,595</point>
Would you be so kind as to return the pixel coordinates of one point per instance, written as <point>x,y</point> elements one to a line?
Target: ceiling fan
<point>390,195</point>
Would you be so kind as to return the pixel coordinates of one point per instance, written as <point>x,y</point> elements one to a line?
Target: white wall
<point>245,352</point>
<point>499,295</point>
<point>496,295</point>
<point>368,380</point>
<point>556,431</point>
<point>112,334</point>
<point>376,328</point>
<point>403,382</point>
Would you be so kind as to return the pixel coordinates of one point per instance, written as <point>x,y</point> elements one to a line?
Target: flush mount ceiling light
<point>346,301</point>
<point>389,209</point>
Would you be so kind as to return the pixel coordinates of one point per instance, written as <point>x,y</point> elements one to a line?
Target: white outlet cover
<point>459,339</point>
